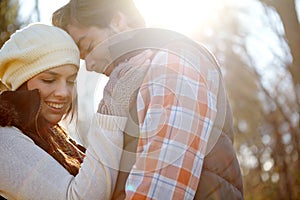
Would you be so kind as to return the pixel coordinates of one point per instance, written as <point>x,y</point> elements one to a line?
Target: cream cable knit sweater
<point>28,172</point>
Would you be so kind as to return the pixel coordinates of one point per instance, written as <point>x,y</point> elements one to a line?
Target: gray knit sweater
<point>28,172</point>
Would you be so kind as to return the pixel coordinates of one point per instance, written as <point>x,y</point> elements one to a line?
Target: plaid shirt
<point>176,107</point>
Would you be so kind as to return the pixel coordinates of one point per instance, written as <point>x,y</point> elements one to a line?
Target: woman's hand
<point>120,93</point>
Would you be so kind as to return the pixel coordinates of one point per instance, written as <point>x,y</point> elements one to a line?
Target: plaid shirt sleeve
<point>176,109</point>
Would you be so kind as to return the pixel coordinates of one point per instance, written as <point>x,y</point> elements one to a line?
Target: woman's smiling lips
<point>57,107</point>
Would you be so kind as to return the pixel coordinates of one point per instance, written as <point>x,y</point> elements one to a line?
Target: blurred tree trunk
<point>8,18</point>
<point>289,168</point>
<point>287,11</point>
<point>37,10</point>
<point>288,15</point>
<point>9,21</point>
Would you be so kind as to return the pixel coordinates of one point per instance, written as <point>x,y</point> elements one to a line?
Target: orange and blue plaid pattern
<point>176,109</point>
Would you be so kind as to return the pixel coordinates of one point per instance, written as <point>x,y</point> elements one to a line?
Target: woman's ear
<point>119,22</point>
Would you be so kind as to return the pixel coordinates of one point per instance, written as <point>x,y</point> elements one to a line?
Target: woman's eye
<point>48,80</point>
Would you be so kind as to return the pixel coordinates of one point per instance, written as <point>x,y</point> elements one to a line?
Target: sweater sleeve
<point>28,172</point>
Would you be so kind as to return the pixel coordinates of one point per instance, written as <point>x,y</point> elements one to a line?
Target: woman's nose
<point>62,90</point>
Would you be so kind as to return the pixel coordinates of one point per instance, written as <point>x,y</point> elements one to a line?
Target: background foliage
<point>8,18</point>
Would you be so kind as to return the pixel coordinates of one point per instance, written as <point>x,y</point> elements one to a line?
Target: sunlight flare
<point>179,15</point>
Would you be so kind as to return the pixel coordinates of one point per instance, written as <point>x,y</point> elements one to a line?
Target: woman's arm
<point>28,172</point>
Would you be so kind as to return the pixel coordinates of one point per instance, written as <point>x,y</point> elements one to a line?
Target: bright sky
<point>179,15</point>
<point>183,16</point>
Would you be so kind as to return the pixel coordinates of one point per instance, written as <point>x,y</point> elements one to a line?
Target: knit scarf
<point>21,109</point>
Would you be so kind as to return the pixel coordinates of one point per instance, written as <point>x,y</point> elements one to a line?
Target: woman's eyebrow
<point>58,74</point>
<point>50,72</point>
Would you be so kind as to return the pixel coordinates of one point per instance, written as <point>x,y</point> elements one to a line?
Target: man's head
<point>91,22</point>
<point>98,13</point>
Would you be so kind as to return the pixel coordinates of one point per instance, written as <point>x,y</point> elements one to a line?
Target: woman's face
<point>56,87</point>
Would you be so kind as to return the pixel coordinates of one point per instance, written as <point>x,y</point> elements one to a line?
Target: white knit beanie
<point>32,50</point>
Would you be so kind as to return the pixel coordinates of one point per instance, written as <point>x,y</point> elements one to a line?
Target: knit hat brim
<point>32,50</point>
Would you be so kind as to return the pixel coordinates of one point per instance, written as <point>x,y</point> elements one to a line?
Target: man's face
<point>87,38</point>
